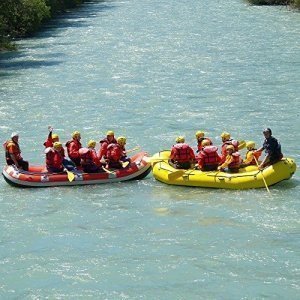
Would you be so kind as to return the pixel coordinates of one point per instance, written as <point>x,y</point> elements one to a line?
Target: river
<point>153,70</point>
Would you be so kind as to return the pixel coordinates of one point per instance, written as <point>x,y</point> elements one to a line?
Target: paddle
<point>107,171</point>
<point>154,160</point>
<point>71,175</point>
<point>176,174</point>
<point>133,149</point>
<point>242,145</point>
<point>263,177</point>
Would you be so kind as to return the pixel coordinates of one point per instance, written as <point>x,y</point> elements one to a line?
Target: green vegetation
<point>21,18</point>
<point>293,3</point>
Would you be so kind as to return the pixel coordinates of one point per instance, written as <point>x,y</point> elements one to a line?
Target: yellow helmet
<point>57,145</point>
<point>121,140</point>
<point>230,147</point>
<point>199,134</point>
<point>76,134</point>
<point>110,132</point>
<point>91,144</point>
<point>205,143</point>
<point>225,135</point>
<point>180,139</point>
<point>250,144</point>
<point>55,136</point>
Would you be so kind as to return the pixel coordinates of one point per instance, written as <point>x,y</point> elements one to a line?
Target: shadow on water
<point>10,62</point>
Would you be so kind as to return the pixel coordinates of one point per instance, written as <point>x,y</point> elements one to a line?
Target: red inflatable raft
<point>36,177</point>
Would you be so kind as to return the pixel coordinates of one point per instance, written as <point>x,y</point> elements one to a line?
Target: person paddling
<point>116,154</point>
<point>232,161</point>
<point>110,139</point>
<point>227,140</point>
<point>73,147</point>
<point>89,159</point>
<point>208,157</point>
<point>13,152</point>
<point>182,155</point>
<point>272,149</point>
<point>252,154</point>
<point>55,157</point>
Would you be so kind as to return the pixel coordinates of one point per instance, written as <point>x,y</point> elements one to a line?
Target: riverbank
<point>292,3</point>
<point>20,19</point>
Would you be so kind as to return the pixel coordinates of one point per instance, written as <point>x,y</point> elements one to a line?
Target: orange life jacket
<point>114,152</point>
<point>255,154</point>
<point>54,159</point>
<point>73,147</point>
<point>12,147</point>
<point>182,152</point>
<point>235,164</point>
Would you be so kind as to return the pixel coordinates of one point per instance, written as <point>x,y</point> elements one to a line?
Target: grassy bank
<point>22,18</point>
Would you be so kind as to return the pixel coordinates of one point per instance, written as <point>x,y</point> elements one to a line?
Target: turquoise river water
<point>152,70</point>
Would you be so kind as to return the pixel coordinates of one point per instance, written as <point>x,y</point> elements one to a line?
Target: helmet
<point>14,134</point>
<point>91,144</point>
<point>180,139</point>
<point>121,140</point>
<point>205,143</point>
<point>57,145</point>
<point>55,136</point>
<point>75,134</point>
<point>225,135</point>
<point>250,144</point>
<point>268,130</point>
<point>199,134</point>
<point>110,132</point>
<point>230,147</point>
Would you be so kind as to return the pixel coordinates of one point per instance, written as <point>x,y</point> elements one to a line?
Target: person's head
<point>55,138</point>
<point>57,146</point>
<point>121,140</point>
<point>230,149</point>
<point>91,144</point>
<point>205,143</point>
<point>110,135</point>
<point>267,132</point>
<point>15,136</point>
<point>180,139</point>
<point>199,135</point>
<point>76,135</point>
<point>225,136</point>
<point>250,145</point>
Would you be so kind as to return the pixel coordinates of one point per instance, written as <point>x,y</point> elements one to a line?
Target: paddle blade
<point>242,145</point>
<point>176,174</point>
<point>125,164</point>
<point>71,176</point>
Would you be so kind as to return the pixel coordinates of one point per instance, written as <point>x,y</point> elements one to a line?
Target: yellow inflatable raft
<point>247,178</point>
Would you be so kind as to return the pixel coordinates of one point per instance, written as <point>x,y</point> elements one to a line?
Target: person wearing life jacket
<point>13,152</point>
<point>73,147</point>
<point>116,154</point>
<point>182,155</point>
<point>54,158</point>
<point>251,154</point>
<point>272,149</point>
<point>208,157</point>
<point>110,139</point>
<point>227,140</point>
<point>233,160</point>
<point>200,138</point>
<point>89,159</point>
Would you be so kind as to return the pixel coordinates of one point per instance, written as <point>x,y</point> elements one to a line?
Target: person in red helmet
<point>110,139</point>
<point>13,152</point>
<point>182,155</point>
<point>73,147</point>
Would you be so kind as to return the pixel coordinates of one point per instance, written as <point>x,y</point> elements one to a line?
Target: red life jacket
<point>255,154</point>
<point>54,159</point>
<point>103,147</point>
<point>210,156</point>
<point>114,152</point>
<point>182,152</point>
<point>85,155</point>
<point>73,147</point>
<point>236,163</point>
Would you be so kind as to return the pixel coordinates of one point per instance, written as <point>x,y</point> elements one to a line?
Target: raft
<point>37,177</point>
<point>249,177</point>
